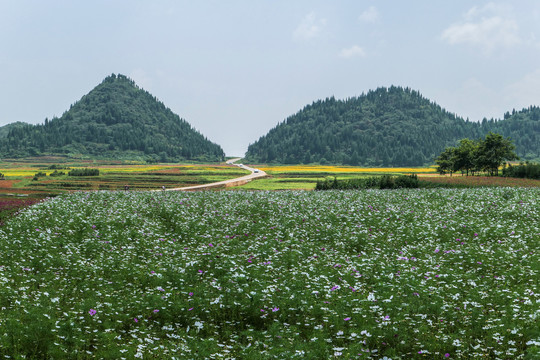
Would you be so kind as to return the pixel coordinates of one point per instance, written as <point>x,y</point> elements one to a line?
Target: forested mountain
<point>386,127</point>
<point>4,130</point>
<point>523,127</point>
<point>116,119</point>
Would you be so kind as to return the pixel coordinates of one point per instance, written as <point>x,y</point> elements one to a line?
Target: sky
<point>235,69</point>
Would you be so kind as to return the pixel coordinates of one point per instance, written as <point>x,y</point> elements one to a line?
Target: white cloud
<point>309,28</point>
<point>353,51</point>
<point>370,15</point>
<point>489,27</point>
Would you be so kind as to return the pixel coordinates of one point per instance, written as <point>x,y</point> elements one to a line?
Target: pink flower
<point>275,309</point>
<point>92,312</point>
<point>347,319</point>
<point>135,319</point>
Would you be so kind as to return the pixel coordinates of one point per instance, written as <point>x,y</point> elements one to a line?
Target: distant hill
<point>523,127</point>
<point>116,119</point>
<point>4,130</point>
<point>386,127</point>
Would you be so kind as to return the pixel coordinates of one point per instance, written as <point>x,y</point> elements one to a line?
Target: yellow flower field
<point>342,169</point>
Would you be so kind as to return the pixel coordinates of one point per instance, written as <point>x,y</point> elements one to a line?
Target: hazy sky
<point>234,69</point>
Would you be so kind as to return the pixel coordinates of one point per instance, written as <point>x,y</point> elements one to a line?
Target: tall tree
<point>465,155</point>
<point>493,151</point>
<point>446,161</point>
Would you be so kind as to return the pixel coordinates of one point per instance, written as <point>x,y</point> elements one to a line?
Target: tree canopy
<point>481,155</point>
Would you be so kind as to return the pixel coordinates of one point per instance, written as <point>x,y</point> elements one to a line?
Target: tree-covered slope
<point>4,130</point>
<point>522,127</point>
<point>386,127</point>
<point>116,119</point>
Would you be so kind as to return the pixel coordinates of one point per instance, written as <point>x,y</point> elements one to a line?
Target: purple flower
<point>347,319</point>
<point>275,309</point>
<point>135,319</point>
<point>92,312</point>
<point>190,294</point>
<point>156,310</point>
<point>447,355</point>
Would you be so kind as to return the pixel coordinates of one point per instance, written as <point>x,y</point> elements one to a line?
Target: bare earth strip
<point>255,174</point>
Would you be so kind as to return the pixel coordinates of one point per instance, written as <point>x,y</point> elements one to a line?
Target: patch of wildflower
<point>366,274</point>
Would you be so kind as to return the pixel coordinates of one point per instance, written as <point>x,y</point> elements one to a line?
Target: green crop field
<point>372,274</point>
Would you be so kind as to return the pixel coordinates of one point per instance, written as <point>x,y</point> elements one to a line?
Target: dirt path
<point>255,174</point>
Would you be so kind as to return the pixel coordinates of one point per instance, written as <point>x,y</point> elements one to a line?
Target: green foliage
<point>84,172</point>
<point>481,155</point>
<point>373,182</point>
<point>4,130</point>
<point>386,127</point>
<point>116,119</point>
<point>524,171</point>
<point>57,173</point>
<point>57,167</point>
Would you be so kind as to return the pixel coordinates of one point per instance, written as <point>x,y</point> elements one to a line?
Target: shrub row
<point>374,182</point>
<point>84,172</point>
<point>524,171</point>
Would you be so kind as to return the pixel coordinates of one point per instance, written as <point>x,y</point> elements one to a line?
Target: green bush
<point>57,173</point>
<point>527,171</point>
<point>84,172</point>
<point>374,182</point>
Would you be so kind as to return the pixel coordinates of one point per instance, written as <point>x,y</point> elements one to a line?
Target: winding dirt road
<point>255,174</point>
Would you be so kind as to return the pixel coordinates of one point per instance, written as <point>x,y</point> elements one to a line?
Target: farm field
<point>20,177</point>
<point>374,274</point>
<point>305,177</point>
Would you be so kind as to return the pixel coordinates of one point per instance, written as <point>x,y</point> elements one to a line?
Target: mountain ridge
<point>116,119</point>
<point>392,126</point>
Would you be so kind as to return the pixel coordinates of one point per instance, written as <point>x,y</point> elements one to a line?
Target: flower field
<point>404,274</point>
